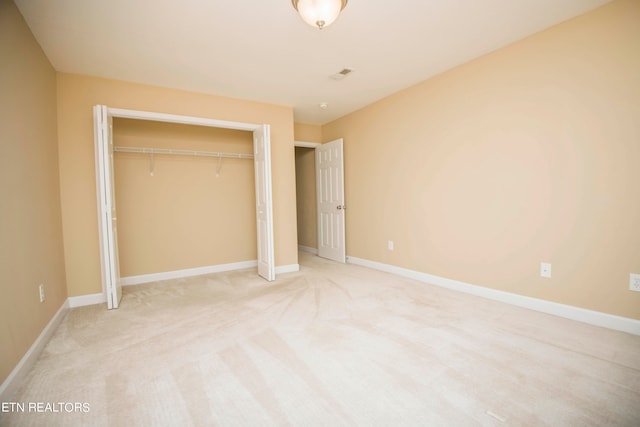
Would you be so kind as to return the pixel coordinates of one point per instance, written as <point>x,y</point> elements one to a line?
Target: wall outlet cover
<point>545,269</point>
<point>634,282</point>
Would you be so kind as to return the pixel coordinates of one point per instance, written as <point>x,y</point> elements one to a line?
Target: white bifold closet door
<point>264,211</point>
<point>103,129</point>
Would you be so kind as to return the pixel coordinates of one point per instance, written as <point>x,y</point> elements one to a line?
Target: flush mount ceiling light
<point>319,13</point>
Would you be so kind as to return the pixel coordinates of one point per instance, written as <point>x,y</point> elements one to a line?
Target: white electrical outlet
<point>545,269</point>
<point>390,245</point>
<point>634,282</point>
<point>41,292</point>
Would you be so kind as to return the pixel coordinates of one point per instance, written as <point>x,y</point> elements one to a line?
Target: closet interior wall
<point>179,212</point>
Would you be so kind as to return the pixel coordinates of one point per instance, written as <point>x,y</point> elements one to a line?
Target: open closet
<point>180,195</point>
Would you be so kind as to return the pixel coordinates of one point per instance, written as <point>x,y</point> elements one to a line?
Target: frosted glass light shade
<point>319,13</point>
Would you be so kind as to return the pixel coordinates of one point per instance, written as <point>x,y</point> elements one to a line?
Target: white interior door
<point>331,207</point>
<point>103,126</point>
<point>264,209</point>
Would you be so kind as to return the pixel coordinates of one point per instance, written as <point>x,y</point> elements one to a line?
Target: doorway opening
<point>306,199</point>
<point>323,168</point>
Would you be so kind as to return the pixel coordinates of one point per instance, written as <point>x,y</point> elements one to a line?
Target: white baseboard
<point>17,375</point>
<point>596,318</point>
<point>82,300</point>
<point>291,268</point>
<point>308,249</point>
<point>91,299</point>
<point>189,272</point>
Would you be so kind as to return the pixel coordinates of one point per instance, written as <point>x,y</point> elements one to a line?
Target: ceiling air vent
<point>341,74</point>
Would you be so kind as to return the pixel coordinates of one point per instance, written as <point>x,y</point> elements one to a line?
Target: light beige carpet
<point>331,345</point>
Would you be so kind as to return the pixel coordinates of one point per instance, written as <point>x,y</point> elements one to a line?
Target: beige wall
<point>186,215</point>
<point>307,133</point>
<point>30,224</point>
<point>306,184</point>
<point>528,154</point>
<point>76,96</point>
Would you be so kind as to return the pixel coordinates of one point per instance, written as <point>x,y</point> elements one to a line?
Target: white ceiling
<point>261,50</point>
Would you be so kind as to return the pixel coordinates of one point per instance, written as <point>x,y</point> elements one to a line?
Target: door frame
<point>314,145</point>
<point>106,227</point>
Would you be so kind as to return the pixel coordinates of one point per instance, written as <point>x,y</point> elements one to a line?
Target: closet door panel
<point>264,208</point>
<point>108,222</point>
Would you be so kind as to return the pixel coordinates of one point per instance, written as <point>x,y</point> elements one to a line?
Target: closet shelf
<point>173,152</point>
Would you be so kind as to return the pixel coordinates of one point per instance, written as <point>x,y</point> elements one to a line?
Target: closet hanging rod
<point>181,152</point>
